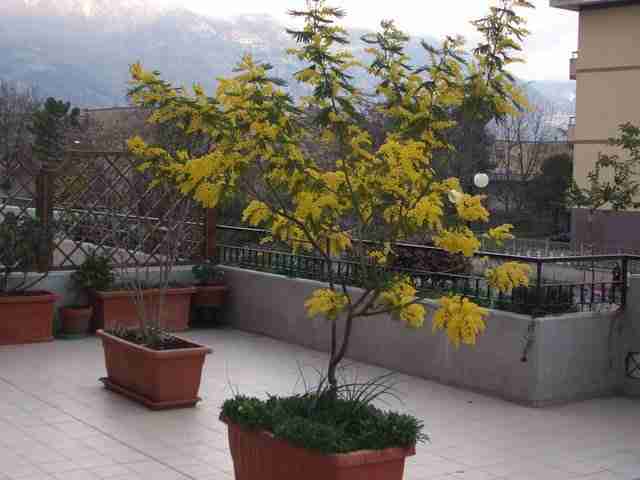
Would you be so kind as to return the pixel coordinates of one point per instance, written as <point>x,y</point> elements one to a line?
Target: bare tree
<point>17,106</point>
<point>523,143</point>
<point>147,273</point>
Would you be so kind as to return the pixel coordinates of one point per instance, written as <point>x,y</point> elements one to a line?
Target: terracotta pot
<point>116,309</point>
<point>76,320</point>
<point>27,318</point>
<point>258,454</point>
<point>157,379</point>
<point>210,295</point>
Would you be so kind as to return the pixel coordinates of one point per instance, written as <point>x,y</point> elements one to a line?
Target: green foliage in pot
<point>95,273</point>
<point>330,424</point>
<point>207,273</point>
<point>21,241</point>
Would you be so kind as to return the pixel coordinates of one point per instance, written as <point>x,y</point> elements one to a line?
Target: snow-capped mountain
<point>83,8</point>
<point>80,50</point>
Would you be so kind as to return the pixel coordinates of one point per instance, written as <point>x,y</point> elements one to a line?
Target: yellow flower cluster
<point>326,302</point>
<point>462,319</point>
<point>378,257</point>
<point>256,213</point>
<point>401,297</point>
<point>508,276</point>
<point>317,194</point>
<point>428,212</point>
<point>334,180</point>
<point>338,242</point>
<point>470,208</point>
<point>461,240</point>
<point>381,257</point>
<point>500,234</point>
<point>413,315</point>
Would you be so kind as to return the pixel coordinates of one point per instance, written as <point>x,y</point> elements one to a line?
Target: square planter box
<point>27,318</point>
<point>259,455</point>
<point>116,309</point>
<point>210,296</point>
<point>159,379</point>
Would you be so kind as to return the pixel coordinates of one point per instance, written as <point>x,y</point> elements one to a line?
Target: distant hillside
<point>80,50</point>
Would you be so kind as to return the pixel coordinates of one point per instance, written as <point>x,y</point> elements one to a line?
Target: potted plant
<point>26,315</point>
<point>144,361</point>
<point>211,290</point>
<point>113,304</point>
<point>75,320</point>
<point>94,274</point>
<point>354,193</point>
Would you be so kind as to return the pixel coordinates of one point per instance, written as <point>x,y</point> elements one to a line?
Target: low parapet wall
<point>569,357</point>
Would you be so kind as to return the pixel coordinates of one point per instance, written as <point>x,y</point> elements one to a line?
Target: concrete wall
<point>579,356</point>
<point>632,331</point>
<point>615,231</point>
<point>572,357</point>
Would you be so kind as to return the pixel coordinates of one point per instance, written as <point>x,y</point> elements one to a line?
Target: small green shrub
<point>528,301</point>
<point>22,240</point>
<point>95,273</point>
<point>430,260</point>
<point>326,425</point>
<point>207,273</point>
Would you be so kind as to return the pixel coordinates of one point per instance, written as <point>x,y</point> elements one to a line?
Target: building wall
<point>609,37</point>
<point>609,231</point>
<point>578,4</point>
<point>608,75</point>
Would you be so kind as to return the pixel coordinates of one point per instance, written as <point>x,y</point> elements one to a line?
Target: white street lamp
<point>481,180</point>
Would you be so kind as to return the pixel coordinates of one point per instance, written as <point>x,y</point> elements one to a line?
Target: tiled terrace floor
<point>57,422</point>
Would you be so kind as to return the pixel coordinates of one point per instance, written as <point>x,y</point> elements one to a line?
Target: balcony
<point>580,4</point>
<point>573,66</point>
<point>571,130</point>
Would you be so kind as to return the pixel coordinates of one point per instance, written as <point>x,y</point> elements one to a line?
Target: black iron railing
<point>557,285</point>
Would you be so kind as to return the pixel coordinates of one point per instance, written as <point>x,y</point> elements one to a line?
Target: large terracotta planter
<point>210,295</point>
<point>116,309</point>
<point>259,455</point>
<point>27,318</point>
<point>76,320</point>
<point>157,379</point>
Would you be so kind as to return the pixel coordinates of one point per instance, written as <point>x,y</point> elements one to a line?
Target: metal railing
<point>555,284</point>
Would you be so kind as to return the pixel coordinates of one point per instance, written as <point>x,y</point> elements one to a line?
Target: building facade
<point>607,70</point>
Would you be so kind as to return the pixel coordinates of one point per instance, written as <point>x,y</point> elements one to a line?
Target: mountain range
<point>80,50</point>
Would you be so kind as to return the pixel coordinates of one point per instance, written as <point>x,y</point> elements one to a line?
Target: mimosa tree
<point>383,194</point>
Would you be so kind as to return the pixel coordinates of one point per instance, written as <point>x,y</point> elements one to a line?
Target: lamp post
<point>481,180</point>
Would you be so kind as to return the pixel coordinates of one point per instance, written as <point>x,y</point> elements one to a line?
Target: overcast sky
<point>554,32</point>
